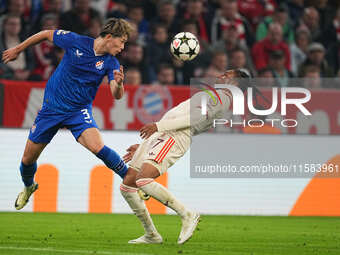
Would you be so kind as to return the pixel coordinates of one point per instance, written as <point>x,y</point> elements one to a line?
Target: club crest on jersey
<point>100,64</point>
<point>33,128</point>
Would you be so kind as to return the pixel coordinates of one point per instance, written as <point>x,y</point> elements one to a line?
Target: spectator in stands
<point>295,9</point>
<point>265,78</point>
<point>229,16</point>
<point>255,10</point>
<point>332,33</point>
<point>211,73</point>
<point>326,13</point>
<point>333,55</point>
<point>277,65</point>
<point>158,49</point>
<point>17,8</point>
<point>44,52</point>
<point>117,9</point>
<point>165,75</point>
<point>21,68</point>
<point>191,26</point>
<point>135,37</point>
<point>219,61</point>
<point>230,42</point>
<point>316,56</point>
<point>195,12</point>
<point>312,78</point>
<point>133,77</point>
<point>280,16</point>
<point>136,15</point>
<point>166,12</point>
<point>103,6</point>
<point>273,41</point>
<point>195,67</point>
<point>311,19</point>
<point>49,7</point>
<point>95,27</point>
<point>180,74</point>
<point>79,18</point>
<point>298,50</point>
<point>238,59</point>
<point>134,56</point>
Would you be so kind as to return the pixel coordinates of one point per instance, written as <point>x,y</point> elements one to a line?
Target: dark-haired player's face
<point>228,77</point>
<point>230,74</point>
<point>115,45</point>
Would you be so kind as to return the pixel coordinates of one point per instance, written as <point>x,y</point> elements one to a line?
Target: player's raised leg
<point>28,168</point>
<point>145,181</point>
<point>129,191</point>
<point>92,140</point>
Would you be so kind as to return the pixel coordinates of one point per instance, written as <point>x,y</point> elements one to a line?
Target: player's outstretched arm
<point>12,53</point>
<point>116,85</point>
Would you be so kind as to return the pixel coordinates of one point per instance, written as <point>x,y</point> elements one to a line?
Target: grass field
<point>107,234</point>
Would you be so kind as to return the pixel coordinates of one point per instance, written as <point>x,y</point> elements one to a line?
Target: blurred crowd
<point>274,39</point>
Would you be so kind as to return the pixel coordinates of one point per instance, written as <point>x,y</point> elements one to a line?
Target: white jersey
<point>187,117</point>
<point>175,129</point>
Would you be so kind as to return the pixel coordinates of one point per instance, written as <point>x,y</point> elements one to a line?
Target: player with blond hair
<point>69,94</point>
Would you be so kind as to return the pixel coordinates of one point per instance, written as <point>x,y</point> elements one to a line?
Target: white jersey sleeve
<point>188,114</point>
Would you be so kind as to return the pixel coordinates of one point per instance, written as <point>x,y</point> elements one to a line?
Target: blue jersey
<point>74,84</point>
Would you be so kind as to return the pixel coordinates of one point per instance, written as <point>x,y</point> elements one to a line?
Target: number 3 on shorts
<point>87,117</point>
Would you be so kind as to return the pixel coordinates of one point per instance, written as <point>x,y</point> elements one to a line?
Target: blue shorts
<point>48,122</point>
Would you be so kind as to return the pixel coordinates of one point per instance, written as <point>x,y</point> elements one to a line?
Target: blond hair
<point>116,28</point>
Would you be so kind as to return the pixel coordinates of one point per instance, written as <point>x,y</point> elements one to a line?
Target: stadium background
<point>232,34</point>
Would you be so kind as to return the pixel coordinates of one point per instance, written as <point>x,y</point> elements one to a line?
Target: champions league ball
<point>184,46</point>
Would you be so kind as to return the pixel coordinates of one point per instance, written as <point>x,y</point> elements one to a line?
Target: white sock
<point>138,207</point>
<point>159,192</point>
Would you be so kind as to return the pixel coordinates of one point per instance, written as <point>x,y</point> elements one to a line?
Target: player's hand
<point>130,152</point>
<point>147,130</point>
<point>10,54</point>
<point>119,75</point>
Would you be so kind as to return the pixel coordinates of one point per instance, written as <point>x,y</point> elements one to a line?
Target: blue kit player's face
<point>114,45</point>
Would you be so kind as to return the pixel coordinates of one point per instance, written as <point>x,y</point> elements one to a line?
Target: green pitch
<point>104,234</point>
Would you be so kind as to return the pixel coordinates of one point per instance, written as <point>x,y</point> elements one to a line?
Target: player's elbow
<point>48,34</point>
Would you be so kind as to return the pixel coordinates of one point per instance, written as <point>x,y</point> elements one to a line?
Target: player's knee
<point>142,177</point>
<point>147,171</point>
<point>95,148</point>
<point>28,160</point>
<point>130,178</point>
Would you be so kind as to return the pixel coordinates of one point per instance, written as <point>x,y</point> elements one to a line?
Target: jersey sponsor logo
<point>79,54</point>
<point>151,102</point>
<point>100,64</point>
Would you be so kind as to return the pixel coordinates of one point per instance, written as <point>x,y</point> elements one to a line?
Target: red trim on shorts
<point>161,155</point>
<point>163,148</point>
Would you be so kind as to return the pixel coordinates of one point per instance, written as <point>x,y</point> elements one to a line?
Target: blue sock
<point>113,161</point>
<point>27,173</point>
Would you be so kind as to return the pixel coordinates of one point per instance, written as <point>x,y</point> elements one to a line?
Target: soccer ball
<point>184,46</point>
